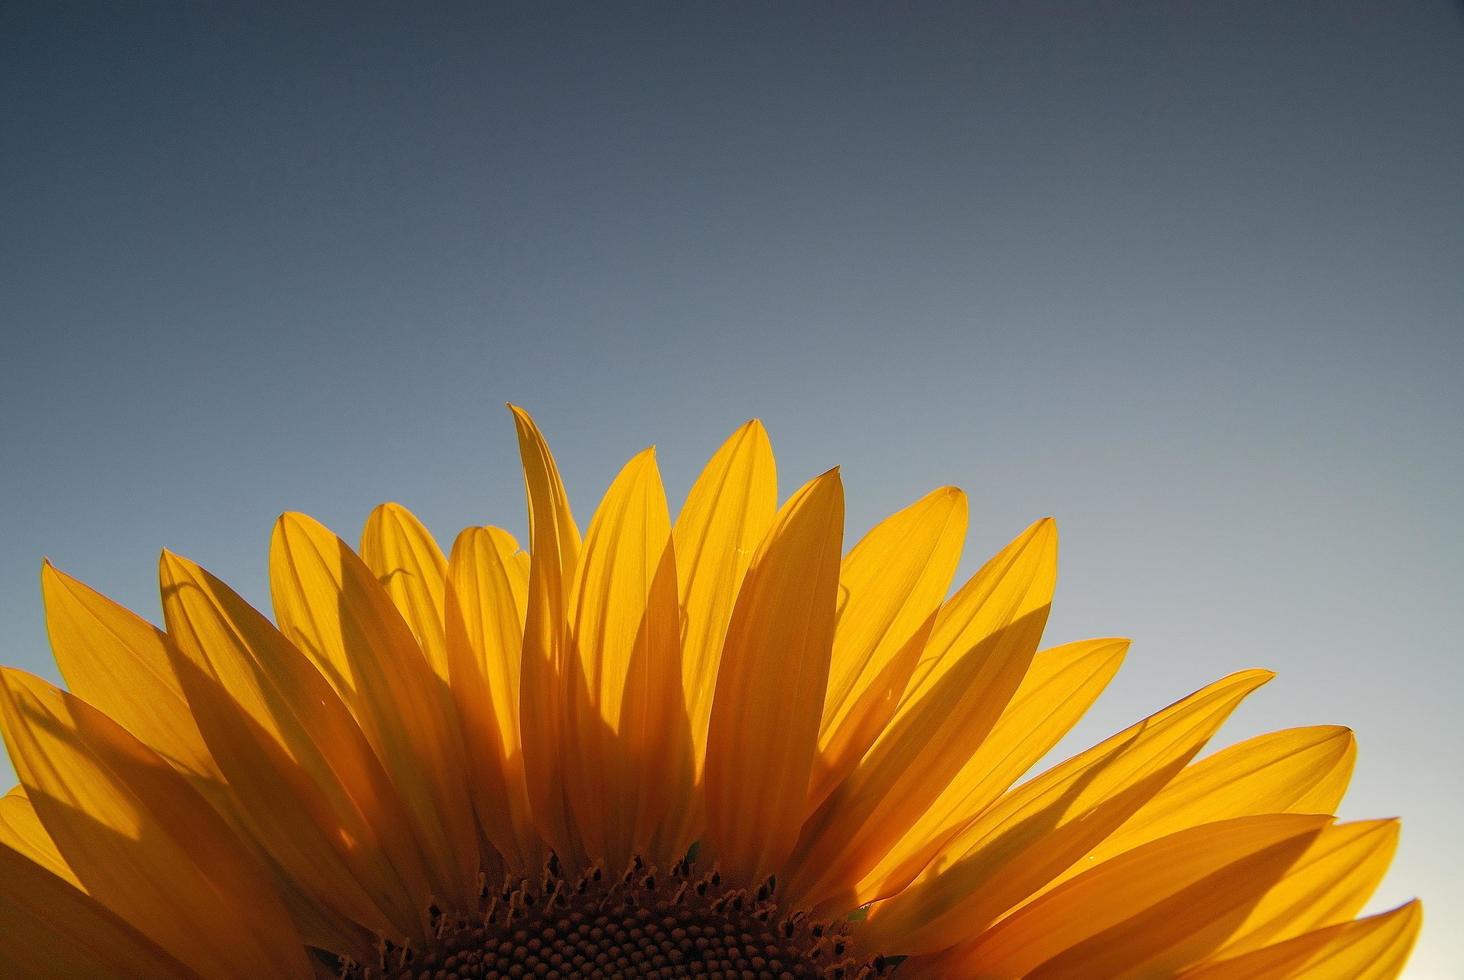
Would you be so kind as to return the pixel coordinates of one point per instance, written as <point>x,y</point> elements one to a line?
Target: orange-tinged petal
<point>1059,687</point>
<point>1374,948</point>
<point>775,664</point>
<point>554,544</point>
<point>332,607</point>
<point>1045,825</point>
<point>1146,913</point>
<point>21,831</point>
<point>727,514</point>
<point>52,929</point>
<point>487,589</point>
<point>982,645</point>
<point>141,840</point>
<point>1297,770</point>
<point>113,659</point>
<point>278,731</point>
<point>410,567</point>
<point>1328,884</point>
<point>627,719</point>
<point>892,582</point>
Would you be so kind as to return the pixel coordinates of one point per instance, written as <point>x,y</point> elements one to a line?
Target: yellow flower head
<point>716,747</point>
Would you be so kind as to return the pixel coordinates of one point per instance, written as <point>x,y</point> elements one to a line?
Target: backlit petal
<point>1329,884</point>
<point>279,732</point>
<point>141,840</point>
<point>627,718</point>
<point>113,659</point>
<point>51,929</point>
<point>1375,948</point>
<point>775,664</point>
<point>410,567</point>
<point>1297,770</point>
<point>332,607</point>
<point>1148,912</point>
<point>554,543</point>
<point>21,831</point>
<point>982,645</point>
<point>891,584</point>
<point>1045,825</point>
<point>726,516</point>
<point>1058,688</point>
<point>487,589</point>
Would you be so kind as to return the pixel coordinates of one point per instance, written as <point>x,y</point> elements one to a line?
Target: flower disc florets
<point>639,925</point>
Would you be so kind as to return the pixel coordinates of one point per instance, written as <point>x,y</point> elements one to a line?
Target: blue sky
<point>1185,277</point>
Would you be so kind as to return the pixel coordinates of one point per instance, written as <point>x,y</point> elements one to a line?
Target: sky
<point>1184,276</point>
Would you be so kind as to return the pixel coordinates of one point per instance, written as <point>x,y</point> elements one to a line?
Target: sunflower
<point>719,747</point>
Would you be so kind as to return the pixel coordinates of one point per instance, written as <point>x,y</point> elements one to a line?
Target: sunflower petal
<point>892,582</point>
<point>1297,770</point>
<point>407,562</point>
<point>1328,884</point>
<point>487,589</point>
<point>1045,825</point>
<point>1374,948</point>
<point>113,659</point>
<point>277,729</point>
<point>627,718</point>
<point>331,606</point>
<point>764,724</point>
<point>1058,688</point>
<point>22,831</point>
<point>52,929</point>
<point>982,645</point>
<point>1148,912</point>
<point>727,514</point>
<point>554,544</point>
<point>141,840</point>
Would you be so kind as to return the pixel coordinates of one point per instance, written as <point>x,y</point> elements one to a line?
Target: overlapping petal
<point>775,665</point>
<point>140,840</point>
<point>279,731</point>
<point>332,607</point>
<point>982,644</point>
<point>554,543</point>
<point>626,718</point>
<point>488,584</point>
<point>1046,825</point>
<point>428,750</point>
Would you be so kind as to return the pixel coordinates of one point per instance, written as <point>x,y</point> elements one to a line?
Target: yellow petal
<point>775,664</point>
<point>1045,825</point>
<point>21,831</point>
<point>141,840</point>
<point>53,930</point>
<point>331,606</point>
<point>1058,689</point>
<point>410,567</point>
<point>727,514</point>
<point>1297,770</point>
<point>278,731</point>
<point>554,543</point>
<point>1148,912</point>
<point>113,659</point>
<point>982,644</point>
<point>892,582</point>
<point>1375,948</point>
<point>1329,884</point>
<point>627,720</point>
<point>487,589</point>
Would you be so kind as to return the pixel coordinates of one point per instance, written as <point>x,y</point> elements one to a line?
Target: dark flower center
<point>640,925</point>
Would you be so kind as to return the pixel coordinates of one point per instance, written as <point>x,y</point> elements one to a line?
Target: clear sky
<point>1185,276</point>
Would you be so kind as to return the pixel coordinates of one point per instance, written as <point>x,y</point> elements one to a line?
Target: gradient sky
<point>1186,276</point>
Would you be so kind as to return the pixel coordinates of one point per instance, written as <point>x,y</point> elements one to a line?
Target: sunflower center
<point>640,925</point>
